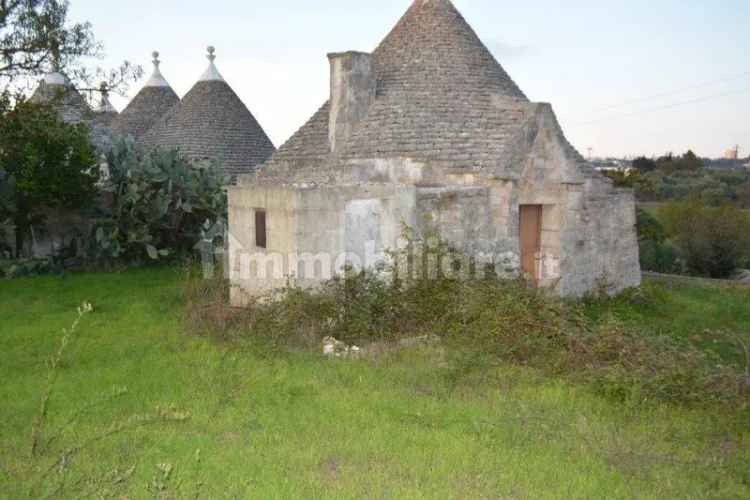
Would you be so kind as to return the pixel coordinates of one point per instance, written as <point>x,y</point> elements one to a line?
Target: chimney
<point>352,92</point>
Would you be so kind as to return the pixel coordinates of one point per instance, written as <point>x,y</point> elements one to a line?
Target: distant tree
<point>649,227</point>
<point>742,195</point>
<point>666,163</point>
<point>690,162</point>
<point>630,179</point>
<point>656,253</point>
<point>644,165</point>
<point>51,164</point>
<point>714,241</point>
<point>36,38</point>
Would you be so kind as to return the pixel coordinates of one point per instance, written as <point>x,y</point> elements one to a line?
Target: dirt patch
<point>329,468</point>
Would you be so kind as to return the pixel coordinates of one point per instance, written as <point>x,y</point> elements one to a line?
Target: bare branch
<point>36,38</point>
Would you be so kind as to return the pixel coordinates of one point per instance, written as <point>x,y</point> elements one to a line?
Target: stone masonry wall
<point>600,244</point>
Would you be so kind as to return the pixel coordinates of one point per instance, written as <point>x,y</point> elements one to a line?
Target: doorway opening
<point>531,241</point>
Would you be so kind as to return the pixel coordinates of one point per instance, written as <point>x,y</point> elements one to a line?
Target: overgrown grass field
<point>141,409</point>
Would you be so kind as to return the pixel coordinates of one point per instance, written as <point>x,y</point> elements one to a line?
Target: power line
<point>668,106</point>
<point>711,83</point>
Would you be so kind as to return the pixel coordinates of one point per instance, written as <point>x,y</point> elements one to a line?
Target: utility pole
<point>591,153</point>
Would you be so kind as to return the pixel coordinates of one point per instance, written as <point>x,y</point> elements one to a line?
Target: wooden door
<point>531,240</point>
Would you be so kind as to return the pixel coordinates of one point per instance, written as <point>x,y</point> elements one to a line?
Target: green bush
<point>52,163</point>
<point>657,254</point>
<point>714,241</point>
<point>649,227</point>
<point>660,257</point>
<point>7,209</point>
<point>155,206</point>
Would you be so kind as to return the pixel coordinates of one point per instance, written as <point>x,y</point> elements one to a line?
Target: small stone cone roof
<point>153,101</point>
<point>105,113</point>
<point>55,89</point>
<point>100,126</point>
<point>212,122</point>
<point>441,95</point>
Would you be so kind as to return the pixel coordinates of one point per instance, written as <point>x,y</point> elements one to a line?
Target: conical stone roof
<point>103,118</point>
<point>441,96</point>
<point>105,113</point>
<point>153,101</point>
<point>212,122</point>
<point>55,89</point>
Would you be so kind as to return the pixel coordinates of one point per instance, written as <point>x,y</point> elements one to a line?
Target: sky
<point>625,78</point>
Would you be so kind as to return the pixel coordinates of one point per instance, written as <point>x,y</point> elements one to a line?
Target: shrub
<point>7,209</point>
<point>657,254</point>
<point>155,206</point>
<point>660,257</point>
<point>52,163</point>
<point>649,227</point>
<point>629,365</point>
<point>714,241</point>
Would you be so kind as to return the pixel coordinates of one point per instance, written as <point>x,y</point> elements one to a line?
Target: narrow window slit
<point>260,229</point>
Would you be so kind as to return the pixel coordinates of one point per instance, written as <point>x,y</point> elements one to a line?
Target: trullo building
<point>212,122</point>
<point>56,90</point>
<point>152,102</point>
<point>430,127</point>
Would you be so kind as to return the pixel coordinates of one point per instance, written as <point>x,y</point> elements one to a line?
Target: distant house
<point>430,129</point>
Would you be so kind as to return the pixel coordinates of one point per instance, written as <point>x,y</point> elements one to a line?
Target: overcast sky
<point>625,77</point>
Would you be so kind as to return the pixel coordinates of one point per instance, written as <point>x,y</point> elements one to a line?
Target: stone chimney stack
<point>352,93</point>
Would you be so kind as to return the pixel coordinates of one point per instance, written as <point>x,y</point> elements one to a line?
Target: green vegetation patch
<point>141,409</point>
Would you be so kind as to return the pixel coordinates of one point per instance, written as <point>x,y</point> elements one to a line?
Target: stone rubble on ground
<point>336,349</point>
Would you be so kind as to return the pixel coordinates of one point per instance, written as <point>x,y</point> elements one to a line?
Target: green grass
<point>264,424</point>
<point>687,312</point>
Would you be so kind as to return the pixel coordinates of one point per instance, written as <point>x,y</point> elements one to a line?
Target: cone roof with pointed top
<point>153,101</point>
<point>441,95</point>
<point>100,125</point>
<point>212,122</point>
<point>105,112</point>
<point>55,89</point>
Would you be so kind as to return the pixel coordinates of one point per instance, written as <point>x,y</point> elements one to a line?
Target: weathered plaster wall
<point>313,232</point>
<point>354,224</point>
<point>254,271</point>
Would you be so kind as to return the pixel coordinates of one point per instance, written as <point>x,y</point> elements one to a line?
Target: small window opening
<point>260,229</point>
